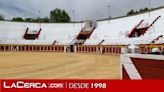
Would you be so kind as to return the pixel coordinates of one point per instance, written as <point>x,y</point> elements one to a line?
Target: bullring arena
<point>48,65</point>
<point>88,50</point>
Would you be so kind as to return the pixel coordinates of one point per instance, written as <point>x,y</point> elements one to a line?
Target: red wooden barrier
<point>53,48</point>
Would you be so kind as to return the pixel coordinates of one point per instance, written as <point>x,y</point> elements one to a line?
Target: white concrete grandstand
<point>113,32</point>
<point>12,33</point>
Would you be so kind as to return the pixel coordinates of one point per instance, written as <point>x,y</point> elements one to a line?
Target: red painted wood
<point>104,50</point>
<point>23,48</point>
<point>38,47</point>
<point>85,49</point>
<point>92,49</point>
<point>62,48</point>
<point>42,48</point>
<point>95,49</point>
<point>149,69</point>
<point>7,48</point>
<point>77,49</point>
<point>107,49</point>
<point>135,28</point>
<point>30,48</point>
<point>2,48</point>
<point>20,48</point>
<point>55,48</point>
<point>114,50</point>
<point>125,75</point>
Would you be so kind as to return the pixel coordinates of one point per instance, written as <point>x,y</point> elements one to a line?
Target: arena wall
<point>142,66</point>
<point>103,49</point>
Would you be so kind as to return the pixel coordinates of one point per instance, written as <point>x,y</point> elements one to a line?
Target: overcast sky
<point>84,9</point>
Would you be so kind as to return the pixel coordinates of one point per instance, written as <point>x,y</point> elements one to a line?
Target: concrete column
<point>32,48</point>
<point>24,48</point>
<point>4,48</point>
<point>65,49</point>
<point>75,49</point>
<point>112,50</point>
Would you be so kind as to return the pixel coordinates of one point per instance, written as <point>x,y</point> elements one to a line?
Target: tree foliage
<point>131,12</point>
<point>18,19</point>
<point>35,20</point>
<point>42,20</point>
<point>58,15</point>
<point>1,17</point>
<point>45,19</point>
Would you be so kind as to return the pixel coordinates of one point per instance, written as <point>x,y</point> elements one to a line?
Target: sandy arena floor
<point>45,65</point>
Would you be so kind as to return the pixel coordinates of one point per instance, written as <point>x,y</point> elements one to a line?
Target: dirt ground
<point>46,65</point>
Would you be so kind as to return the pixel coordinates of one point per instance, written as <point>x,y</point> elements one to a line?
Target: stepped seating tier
<point>115,32</point>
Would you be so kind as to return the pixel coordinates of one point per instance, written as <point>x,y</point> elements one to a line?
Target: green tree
<point>146,9</point>
<point>19,19</point>
<point>1,17</point>
<point>131,12</point>
<point>141,10</point>
<point>58,15</point>
<point>28,19</point>
<point>136,12</point>
<point>37,20</point>
<point>45,20</point>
